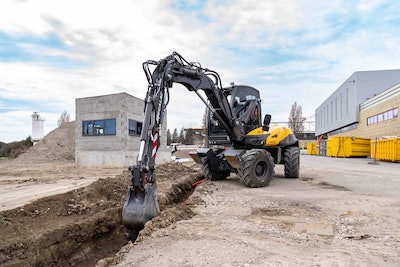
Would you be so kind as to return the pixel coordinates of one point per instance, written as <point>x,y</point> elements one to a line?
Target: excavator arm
<point>142,201</point>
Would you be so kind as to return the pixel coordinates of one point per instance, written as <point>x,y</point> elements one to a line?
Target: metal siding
<point>359,87</point>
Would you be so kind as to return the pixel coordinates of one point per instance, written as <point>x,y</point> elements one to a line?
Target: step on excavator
<point>239,141</point>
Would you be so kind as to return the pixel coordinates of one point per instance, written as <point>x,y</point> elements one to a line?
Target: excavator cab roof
<point>242,93</point>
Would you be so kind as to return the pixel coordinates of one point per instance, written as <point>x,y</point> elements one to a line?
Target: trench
<point>83,226</point>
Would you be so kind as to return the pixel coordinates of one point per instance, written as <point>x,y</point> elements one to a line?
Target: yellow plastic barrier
<point>312,148</point>
<point>348,146</point>
<point>386,149</point>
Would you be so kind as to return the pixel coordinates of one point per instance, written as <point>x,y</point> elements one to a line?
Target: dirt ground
<point>53,213</point>
<point>20,182</point>
<point>340,212</point>
<point>83,225</point>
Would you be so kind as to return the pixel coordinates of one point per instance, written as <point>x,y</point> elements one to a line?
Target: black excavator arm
<point>235,113</point>
<point>142,202</point>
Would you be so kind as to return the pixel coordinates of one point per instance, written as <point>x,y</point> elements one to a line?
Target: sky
<point>52,52</point>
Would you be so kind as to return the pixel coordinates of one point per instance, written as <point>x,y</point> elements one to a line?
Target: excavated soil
<point>80,227</point>
<point>53,213</point>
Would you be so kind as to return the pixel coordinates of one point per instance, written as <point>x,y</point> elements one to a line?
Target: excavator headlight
<point>258,142</point>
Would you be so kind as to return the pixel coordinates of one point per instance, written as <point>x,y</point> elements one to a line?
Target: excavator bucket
<point>140,207</point>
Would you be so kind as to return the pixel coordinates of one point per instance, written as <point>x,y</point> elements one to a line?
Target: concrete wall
<point>342,107</point>
<point>121,149</point>
<point>387,100</point>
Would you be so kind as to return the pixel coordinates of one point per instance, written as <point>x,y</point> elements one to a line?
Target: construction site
<point>339,212</point>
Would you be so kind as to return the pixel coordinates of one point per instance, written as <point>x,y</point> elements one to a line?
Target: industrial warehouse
<point>364,108</point>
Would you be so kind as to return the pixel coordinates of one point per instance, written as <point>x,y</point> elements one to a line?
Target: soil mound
<point>58,145</point>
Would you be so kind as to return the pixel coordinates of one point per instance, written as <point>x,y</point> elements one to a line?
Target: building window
<point>135,127</point>
<point>99,127</point>
<point>387,115</point>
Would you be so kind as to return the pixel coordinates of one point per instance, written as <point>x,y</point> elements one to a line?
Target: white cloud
<point>246,17</point>
<point>290,50</point>
<point>368,5</point>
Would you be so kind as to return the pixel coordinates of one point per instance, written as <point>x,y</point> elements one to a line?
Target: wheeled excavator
<point>239,140</point>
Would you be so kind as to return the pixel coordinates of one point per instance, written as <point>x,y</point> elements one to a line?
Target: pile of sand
<point>58,145</point>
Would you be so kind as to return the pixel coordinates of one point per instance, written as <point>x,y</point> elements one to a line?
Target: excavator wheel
<point>213,175</point>
<point>291,161</point>
<point>258,168</point>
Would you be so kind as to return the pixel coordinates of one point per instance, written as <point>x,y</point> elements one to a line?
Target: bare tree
<point>296,120</point>
<point>63,118</point>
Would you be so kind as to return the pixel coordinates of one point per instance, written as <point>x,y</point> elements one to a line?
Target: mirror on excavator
<point>266,122</point>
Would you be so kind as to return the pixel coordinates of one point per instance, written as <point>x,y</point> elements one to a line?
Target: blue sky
<point>52,52</point>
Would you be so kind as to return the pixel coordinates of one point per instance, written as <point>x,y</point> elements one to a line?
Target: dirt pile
<point>58,145</point>
<point>80,227</point>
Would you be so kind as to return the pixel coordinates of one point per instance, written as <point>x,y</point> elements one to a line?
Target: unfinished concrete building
<point>108,129</point>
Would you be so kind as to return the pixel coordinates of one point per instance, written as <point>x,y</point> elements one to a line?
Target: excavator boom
<point>142,203</point>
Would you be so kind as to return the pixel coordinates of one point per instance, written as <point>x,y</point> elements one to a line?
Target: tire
<point>291,161</point>
<point>214,175</point>
<point>258,168</point>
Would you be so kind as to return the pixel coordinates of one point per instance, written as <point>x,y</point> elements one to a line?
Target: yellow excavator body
<point>276,134</point>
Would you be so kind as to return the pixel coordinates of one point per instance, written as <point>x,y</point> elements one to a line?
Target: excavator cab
<point>241,99</point>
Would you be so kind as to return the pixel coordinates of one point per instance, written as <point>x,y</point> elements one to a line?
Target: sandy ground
<point>21,182</point>
<point>340,212</point>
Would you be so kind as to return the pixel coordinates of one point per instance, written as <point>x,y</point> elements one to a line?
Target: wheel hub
<point>261,169</point>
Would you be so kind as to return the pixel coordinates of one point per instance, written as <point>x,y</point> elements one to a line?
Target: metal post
<point>375,162</point>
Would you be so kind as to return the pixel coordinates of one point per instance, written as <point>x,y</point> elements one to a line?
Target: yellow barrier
<point>386,149</point>
<point>312,148</point>
<point>348,146</point>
